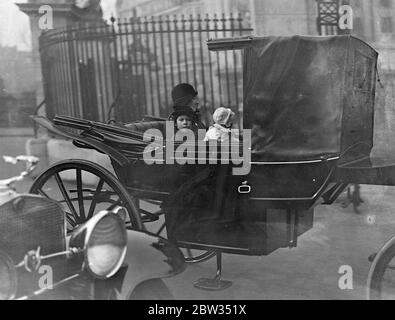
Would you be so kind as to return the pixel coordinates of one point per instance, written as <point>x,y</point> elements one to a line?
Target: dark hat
<point>183,110</point>
<point>182,94</point>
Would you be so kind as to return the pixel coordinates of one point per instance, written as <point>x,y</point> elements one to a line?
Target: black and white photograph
<point>205,152</point>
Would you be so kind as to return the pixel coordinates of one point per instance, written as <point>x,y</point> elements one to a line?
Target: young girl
<point>184,118</point>
<point>183,122</point>
<point>185,95</point>
<point>221,130</point>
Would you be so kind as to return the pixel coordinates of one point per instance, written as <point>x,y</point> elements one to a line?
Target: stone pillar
<point>61,17</point>
<point>65,12</point>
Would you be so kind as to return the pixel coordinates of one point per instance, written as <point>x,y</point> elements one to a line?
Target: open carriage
<point>308,124</point>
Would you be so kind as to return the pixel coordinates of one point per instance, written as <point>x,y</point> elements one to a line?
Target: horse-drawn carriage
<point>308,107</point>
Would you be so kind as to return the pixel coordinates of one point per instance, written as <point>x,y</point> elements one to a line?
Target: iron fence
<point>126,69</point>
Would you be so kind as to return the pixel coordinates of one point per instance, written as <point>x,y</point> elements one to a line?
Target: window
<point>386,3</point>
<point>386,25</point>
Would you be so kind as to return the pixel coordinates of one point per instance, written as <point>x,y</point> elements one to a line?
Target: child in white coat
<point>221,129</point>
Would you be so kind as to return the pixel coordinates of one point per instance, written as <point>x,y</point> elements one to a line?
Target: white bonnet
<point>223,115</point>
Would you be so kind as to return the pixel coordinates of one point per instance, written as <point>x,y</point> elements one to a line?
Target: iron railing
<point>136,62</point>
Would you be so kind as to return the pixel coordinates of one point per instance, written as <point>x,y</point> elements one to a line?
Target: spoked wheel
<point>381,280</point>
<point>190,255</point>
<point>84,188</point>
<point>153,219</point>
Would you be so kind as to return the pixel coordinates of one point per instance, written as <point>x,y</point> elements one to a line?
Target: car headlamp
<point>103,240</point>
<point>8,277</point>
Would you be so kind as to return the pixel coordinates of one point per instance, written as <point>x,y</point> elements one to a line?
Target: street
<point>339,238</point>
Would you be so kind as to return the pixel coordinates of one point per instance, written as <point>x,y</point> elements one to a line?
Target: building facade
<point>16,70</point>
<point>284,17</point>
<point>268,17</point>
<point>17,87</point>
<point>127,9</point>
<point>374,23</point>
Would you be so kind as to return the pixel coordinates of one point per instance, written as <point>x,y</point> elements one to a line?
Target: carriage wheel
<point>381,280</point>
<point>191,255</point>
<point>84,188</point>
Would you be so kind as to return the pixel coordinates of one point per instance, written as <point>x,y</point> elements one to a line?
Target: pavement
<point>339,239</point>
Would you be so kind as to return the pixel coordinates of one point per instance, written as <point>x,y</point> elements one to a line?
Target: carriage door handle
<point>244,188</point>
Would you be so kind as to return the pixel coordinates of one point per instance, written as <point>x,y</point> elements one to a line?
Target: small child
<point>185,95</point>
<point>221,129</point>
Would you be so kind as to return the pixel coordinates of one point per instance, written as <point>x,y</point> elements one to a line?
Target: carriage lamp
<point>103,241</point>
<point>8,278</point>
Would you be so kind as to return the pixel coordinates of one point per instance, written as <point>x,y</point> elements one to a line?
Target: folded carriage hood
<point>148,257</point>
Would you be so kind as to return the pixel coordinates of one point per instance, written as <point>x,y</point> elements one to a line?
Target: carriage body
<point>310,107</point>
<point>309,103</point>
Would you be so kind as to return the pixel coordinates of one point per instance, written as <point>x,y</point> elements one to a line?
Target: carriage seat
<point>144,126</point>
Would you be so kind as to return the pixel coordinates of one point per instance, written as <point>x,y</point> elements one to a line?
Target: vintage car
<point>99,259</point>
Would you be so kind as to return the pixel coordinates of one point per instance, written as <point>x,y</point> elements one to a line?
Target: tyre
<point>84,188</point>
<point>381,279</point>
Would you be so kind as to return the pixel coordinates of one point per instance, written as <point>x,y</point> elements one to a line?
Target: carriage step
<point>215,283</point>
<point>212,284</point>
